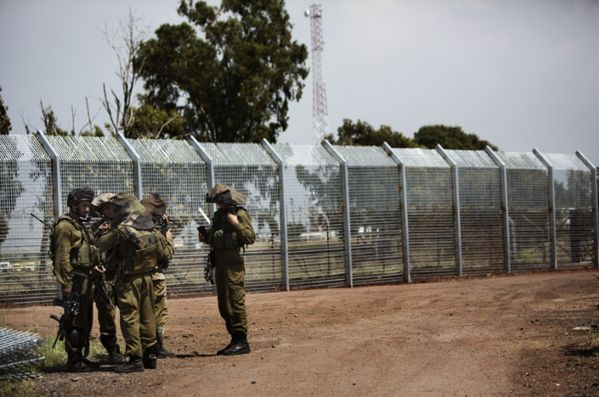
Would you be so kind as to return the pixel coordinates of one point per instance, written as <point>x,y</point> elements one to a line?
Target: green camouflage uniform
<point>74,256</point>
<point>226,241</point>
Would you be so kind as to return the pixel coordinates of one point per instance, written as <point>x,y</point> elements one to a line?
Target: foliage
<point>5,125</point>
<point>151,122</point>
<point>362,133</point>
<point>12,187</point>
<point>450,138</point>
<point>230,72</point>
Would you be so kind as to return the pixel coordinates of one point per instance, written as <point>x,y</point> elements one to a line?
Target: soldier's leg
<point>222,294</point>
<point>234,306</point>
<point>79,329</point>
<point>147,325</point>
<point>159,283</point>
<point>128,298</point>
<point>107,321</point>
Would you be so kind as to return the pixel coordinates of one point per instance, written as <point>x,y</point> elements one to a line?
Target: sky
<point>521,74</point>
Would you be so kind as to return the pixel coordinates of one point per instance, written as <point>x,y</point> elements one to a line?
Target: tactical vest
<point>82,252</point>
<point>142,250</point>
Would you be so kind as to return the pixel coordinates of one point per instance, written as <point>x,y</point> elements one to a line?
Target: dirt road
<point>506,335</point>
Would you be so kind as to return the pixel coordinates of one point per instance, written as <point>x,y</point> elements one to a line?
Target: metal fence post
<point>209,165</point>
<point>56,184</point>
<point>505,208</point>
<point>552,215</point>
<point>282,211</point>
<point>403,201</point>
<point>136,164</point>
<point>56,178</point>
<point>593,170</point>
<point>456,208</point>
<point>349,277</point>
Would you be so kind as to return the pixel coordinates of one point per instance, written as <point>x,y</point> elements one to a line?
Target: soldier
<point>138,249</point>
<point>106,316</point>
<point>157,207</point>
<point>74,256</point>
<point>231,229</point>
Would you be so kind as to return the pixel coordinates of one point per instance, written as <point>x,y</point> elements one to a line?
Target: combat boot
<point>114,352</point>
<point>149,359</point>
<point>135,364</point>
<point>221,351</point>
<point>160,351</point>
<point>77,363</point>
<point>239,345</point>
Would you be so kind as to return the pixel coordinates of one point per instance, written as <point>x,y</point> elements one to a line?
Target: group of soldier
<point>120,261</point>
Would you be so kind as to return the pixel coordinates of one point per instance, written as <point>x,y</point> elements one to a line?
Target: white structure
<point>319,93</point>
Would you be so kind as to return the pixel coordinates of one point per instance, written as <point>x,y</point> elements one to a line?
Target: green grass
<point>594,342</point>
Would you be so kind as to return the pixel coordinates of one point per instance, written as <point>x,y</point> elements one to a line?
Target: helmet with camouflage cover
<point>225,195</point>
<point>131,212</point>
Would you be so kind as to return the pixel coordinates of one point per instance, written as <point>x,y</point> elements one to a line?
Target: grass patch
<point>594,342</point>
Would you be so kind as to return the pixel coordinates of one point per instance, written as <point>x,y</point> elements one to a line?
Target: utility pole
<point>319,93</point>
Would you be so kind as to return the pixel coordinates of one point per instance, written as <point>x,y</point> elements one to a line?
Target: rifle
<point>210,263</point>
<point>71,306</point>
<point>97,280</point>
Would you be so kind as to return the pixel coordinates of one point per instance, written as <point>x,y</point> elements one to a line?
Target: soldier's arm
<point>109,240</point>
<point>63,242</point>
<point>244,228</point>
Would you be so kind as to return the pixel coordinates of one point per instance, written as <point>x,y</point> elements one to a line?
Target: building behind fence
<point>326,216</point>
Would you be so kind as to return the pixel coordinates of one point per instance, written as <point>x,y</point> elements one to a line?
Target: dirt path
<point>509,335</point>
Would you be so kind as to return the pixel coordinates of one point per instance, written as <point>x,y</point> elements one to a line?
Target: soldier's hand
<point>99,269</point>
<point>232,218</point>
<point>201,237</point>
<point>169,235</point>
<point>104,227</point>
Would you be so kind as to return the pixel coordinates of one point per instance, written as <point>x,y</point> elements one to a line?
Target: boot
<point>160,351</point>
<point>112,348</point>
<point>135,364</point>
<point>77,363</point>
<point>239,345</point>
<point>149,359</point>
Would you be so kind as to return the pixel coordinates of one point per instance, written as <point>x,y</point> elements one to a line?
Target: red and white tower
<point>319,93</point>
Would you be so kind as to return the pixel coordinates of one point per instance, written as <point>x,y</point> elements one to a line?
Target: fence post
<point>552,220</point>
<point>282,211</point>
<point>136,158</point>
<point>505,208</point>
<point>56,184</point>
<point>209,165</point>
<point>56,178</point>
<point>403,202</point>
<point>349,277</point>
<point>456,208</point>
<point>593,170</point>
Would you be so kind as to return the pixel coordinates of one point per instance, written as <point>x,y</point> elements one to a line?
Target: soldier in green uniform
<point>157,207</point>
<point>106,316</point>
<point>139,247</point>
<point>73,257</point>
<point>231,229</point>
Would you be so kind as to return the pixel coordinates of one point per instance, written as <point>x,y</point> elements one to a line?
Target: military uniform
<point>138,249</point>
<point>226,241</point>
<point>74,256</point>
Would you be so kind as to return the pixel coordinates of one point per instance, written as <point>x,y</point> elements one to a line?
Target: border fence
<point>324,216</point>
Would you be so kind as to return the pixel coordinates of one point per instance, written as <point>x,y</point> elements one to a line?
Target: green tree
<point>362,133</point>
<point>150,122</point>
<point>230,72</point>
<point>5,125</point>
<point>450,138</point>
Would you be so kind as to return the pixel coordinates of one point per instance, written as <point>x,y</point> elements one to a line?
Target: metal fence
<point>325,216</point>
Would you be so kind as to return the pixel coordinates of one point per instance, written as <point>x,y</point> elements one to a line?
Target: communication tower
<point>319,93</point>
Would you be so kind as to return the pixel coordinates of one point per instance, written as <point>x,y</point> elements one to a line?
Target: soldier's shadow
<point>194,354</point>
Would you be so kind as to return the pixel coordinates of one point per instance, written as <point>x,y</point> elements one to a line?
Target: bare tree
<point>126,40</point>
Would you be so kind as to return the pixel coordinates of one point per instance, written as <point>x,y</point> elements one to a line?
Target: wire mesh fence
<point>461,214</point>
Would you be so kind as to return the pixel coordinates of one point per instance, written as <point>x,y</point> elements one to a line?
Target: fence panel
<point>480,206</point>
<point>573,210</point>
<point>250,170</point>
<point>377,250</point>
<point>430,212</point>
<point>314,216</point>
<point>174,170</point>
<point>528,197</point>
<point>26,188</point>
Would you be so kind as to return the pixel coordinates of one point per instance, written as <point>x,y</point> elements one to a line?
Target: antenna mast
<point>319,93</point>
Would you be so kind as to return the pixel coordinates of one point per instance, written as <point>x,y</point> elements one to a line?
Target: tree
<point>126,41</point>
<point>362,133</point>
<point>5,125</point>
<point>150,122</point>
<point>51,122</point>
<point>230,72</point>
<point>450,138</point>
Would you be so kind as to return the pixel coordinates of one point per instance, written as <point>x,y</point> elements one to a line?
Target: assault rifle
<point>209,265</point>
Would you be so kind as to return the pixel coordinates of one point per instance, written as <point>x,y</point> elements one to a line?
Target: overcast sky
<point>519,73</point>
